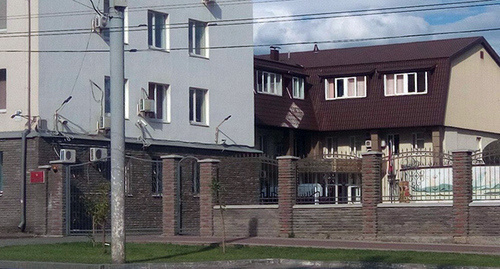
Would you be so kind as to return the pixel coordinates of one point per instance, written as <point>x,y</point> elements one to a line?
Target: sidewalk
<point>283,242</point>
<point>319,243</point>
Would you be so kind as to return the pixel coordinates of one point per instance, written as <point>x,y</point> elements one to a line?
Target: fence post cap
<point>462,151</point>
<point>372,153</point>
<point>287,158</point>
<point>209,161</point>
<point>166,157</point>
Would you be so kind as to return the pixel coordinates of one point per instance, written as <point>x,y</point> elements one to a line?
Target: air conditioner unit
<point>67,155</point>
<point>147,105</point>
<point>98,154</point>
<point>105,123</point>
<point>368,144</point>
<point>98,23</point>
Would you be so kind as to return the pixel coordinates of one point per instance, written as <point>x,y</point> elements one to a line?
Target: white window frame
<point>203,49</point>
<point>166,103</point>
<point>346,91</point>
<point>107,83</point>
<point>298,87</point>
<point>265,85</point>
<point>152,30</point>
<point>405,84</point>
<point>416,137</point>
<point>193,107</point>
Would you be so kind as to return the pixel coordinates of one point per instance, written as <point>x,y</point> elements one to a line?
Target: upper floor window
<point>198,38</point>
<point>3,14</point>
<point>267,82</point>
<point>107,97</point>
<point>198,106</point>
<point>418,140</point>
<point>347,87</point>
<point>3,90</point>
<point>405,83</point>
<point>157,30</point>
<point>160,93</point>
<point>298,87</point>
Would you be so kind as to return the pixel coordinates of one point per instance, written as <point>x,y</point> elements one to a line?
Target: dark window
<point>340,88</point>
<point>197,106</point>
<point>3,14</point>
<point>156,177</point>
<point>421,80</point>
<point>107,95</point>
<point>3,89</point>
<point>411,83</point>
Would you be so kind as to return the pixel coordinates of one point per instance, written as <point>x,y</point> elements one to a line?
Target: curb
<point>263,263</point>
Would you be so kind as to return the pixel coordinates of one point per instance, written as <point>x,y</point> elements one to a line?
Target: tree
<point>98,206</point>
<point>218,192</point>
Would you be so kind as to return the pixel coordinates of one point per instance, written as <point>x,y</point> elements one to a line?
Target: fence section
<point>335,180</point>
<point>268,178</point>
<point>417,176</point>
<point>486,176</point>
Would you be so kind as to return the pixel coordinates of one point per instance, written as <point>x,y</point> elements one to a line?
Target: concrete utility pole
<point>116,26</point>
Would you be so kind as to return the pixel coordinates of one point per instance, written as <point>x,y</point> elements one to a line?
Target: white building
<point>181,62</point>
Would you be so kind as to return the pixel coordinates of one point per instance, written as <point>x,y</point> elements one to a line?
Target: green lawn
<point>153,253</point>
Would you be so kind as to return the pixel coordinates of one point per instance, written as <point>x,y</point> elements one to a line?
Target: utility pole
<point>116,26</point>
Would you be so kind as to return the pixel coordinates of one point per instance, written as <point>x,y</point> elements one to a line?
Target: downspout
<point>27,131</point>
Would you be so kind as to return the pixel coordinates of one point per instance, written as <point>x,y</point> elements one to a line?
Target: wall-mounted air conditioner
<point>98,23</point>
<point>67,155</point>
<point>98,154</point>
<point>368,144</point>
<point>146,105</point>
<point>105,123</point>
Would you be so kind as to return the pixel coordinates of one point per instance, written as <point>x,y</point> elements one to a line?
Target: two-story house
<point>180,85</point>
<point>437,95</point>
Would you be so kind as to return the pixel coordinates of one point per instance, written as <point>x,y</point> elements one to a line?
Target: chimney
<point>275,53</point>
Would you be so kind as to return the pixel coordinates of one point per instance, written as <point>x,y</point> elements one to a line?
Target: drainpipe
<point>27,131</point>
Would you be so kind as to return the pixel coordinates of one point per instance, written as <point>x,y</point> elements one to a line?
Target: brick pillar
<point>169,194</point>
<point>462,194</point>
<point>208,171</point>
<point>56,202</point>
<point>287,193</point>
<point>371,191</point>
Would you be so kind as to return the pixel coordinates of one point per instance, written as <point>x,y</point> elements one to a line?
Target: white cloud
<point>359,27</point>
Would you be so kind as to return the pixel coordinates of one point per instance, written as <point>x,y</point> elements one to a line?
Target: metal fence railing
<point>417,176</point>
<point>268,178</point>
<point>486,175</point>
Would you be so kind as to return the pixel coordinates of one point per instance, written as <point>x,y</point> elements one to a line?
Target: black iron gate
<point>188,196</point>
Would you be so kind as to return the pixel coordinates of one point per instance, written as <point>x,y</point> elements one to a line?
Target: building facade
<point>181,83</point>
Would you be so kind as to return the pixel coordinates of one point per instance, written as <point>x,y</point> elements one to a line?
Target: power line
<point>289,18</point>
<point>275,44</point>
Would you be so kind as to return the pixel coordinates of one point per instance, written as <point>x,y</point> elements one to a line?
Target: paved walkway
<point>260,241</point>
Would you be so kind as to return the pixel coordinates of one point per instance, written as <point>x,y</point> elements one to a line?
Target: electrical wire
<point>274,19</point>
<point>277,44</point>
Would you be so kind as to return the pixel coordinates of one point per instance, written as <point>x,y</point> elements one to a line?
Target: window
<point>406,83</point>
<point>418,141</point>
<point>298,88</point>
<point>331,146</point>
<point>266,82</point>
<point>196,178</point>
<point>393,143</point>
<point>107,97</point>
<point>354,144</point>
<point>157,30</point>
<point>198,38</point>
<point>161,94</point>
<point>156,177</point>
<point>348,87</point>
<point>3,90</point>
<point>1,173</point>
<point>198,106</point>
<point>3,14</point>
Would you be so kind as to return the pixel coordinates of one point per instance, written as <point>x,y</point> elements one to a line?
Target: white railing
<point>485,183</point>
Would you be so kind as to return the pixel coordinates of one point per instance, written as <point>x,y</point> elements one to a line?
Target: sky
<point>349,27</point>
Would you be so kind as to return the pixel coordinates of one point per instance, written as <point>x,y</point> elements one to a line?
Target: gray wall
<point>227,74</point>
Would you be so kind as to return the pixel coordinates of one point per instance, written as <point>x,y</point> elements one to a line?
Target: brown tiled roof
<point>376,110</point>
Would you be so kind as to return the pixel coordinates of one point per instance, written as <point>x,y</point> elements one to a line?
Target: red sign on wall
<point>37,177</point>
